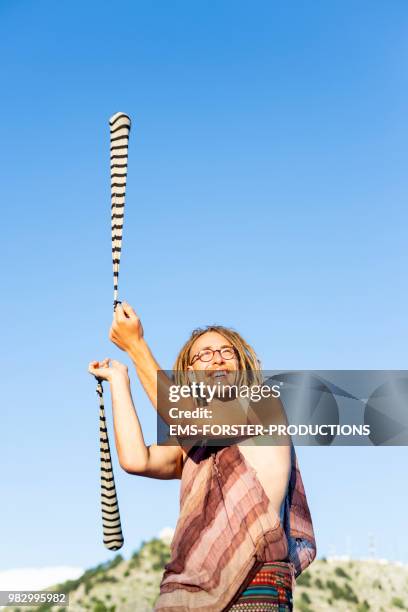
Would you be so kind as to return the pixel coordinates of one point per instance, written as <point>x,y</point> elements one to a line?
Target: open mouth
<point>219,374</point>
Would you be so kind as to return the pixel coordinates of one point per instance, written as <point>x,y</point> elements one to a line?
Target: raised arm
<point>163,462</point>
<point>127,333</point>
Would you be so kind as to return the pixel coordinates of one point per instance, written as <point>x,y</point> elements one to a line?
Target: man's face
<point>214,356</point>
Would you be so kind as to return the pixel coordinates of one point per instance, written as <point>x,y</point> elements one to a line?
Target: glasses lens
<point>206,355</point>
<point>227,353</point>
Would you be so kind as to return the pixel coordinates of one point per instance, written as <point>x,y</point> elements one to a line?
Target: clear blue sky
<point>267,190</point>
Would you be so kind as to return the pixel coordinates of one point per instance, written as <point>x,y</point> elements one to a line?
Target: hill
<point>335,585</point>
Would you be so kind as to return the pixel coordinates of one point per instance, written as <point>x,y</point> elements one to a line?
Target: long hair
<point>249,366</point>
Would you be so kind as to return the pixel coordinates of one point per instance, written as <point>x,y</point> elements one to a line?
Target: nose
<point>217,357</point>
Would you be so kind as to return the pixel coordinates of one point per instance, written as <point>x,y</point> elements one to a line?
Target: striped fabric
<point>227,529</point>
<point>112,529</point>
<point>269,591</point>
<point>119,138</point>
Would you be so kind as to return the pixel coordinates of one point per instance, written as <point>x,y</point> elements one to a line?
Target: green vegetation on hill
<point>132,585</point>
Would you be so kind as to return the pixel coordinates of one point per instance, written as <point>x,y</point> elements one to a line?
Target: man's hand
<point>109,369</point>
<point>126,329</point>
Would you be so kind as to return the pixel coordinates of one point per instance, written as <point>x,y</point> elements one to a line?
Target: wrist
<point>119,378</point>
<point>138,351</point>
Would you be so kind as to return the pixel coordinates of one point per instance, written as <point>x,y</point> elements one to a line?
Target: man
<point>244,530</point>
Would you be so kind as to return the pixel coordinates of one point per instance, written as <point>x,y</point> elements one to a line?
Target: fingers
<point>113,335</point>
<point>129,311</point>
<point>126,327</point>
<point>98,366</point>
<point>118,313</point>
<point>123,312</point>
<point>95,367</point>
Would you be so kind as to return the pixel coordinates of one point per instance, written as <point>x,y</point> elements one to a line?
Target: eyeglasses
<point>226,352</point>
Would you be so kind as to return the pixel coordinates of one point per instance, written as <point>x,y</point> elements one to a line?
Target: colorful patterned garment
<point>269,591</point>
<point>227,530</point>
